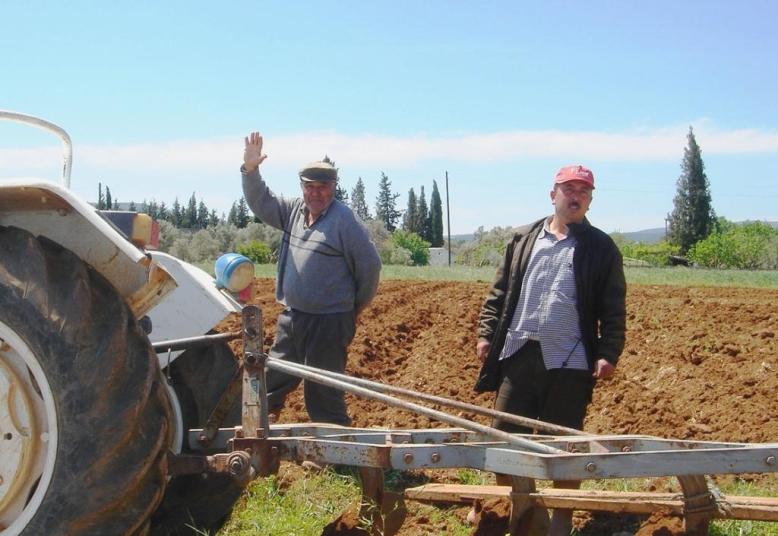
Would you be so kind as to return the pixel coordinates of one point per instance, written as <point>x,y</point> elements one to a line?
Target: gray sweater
<point>330,267</point>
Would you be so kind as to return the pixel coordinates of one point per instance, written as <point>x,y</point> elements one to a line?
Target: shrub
<point>259,232</point>
<point>168,234</point>
<point>414,244</point>
<point>654,254</point>
<point>257,251</point>
<point>747,246</point>
<point>487,247</point>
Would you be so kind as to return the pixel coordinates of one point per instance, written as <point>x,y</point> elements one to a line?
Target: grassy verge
<point>677,276</point>
<point>305,506</point>
<point>731,486</point>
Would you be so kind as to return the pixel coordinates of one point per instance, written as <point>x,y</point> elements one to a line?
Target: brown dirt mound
<point>699,363</point>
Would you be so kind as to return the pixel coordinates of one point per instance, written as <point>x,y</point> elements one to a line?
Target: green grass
<point>696,277</point>
<point>308,504</point>
<point>303,509</point>
<point>730,486</point>
<point>636,275</point>
<point>676,276</point>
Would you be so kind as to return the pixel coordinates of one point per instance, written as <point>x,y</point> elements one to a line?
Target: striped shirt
<point>546,310</point>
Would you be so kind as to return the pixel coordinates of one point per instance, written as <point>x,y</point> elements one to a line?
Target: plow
<point>256,447</point>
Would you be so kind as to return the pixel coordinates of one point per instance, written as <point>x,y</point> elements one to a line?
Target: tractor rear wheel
<point>84,417</point>
<point>201,502</point>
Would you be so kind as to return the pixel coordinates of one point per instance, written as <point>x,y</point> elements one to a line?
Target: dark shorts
<point>319,341</point>
<point>527,388</point>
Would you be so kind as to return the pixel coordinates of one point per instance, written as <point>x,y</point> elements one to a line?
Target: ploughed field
<point>699,363</point>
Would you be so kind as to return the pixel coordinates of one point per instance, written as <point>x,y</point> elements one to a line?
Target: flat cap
<point>319,172</point>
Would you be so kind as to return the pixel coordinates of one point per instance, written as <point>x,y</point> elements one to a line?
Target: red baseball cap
<point>575,173</point>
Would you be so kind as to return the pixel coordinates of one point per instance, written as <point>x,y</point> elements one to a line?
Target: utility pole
<point>448,222</point>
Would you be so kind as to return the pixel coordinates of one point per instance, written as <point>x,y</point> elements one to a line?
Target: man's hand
<point>482,350</point>
<point>252,154</point>
<point>603,369</point>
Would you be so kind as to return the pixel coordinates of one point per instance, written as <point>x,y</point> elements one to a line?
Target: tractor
<point>89,412</point>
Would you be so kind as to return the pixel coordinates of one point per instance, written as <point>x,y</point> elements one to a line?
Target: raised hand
<point>252,154</point>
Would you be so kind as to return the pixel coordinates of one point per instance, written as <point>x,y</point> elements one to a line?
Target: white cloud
<point>363,150</point>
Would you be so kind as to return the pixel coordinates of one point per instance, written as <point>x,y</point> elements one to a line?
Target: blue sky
<point>157,97</point>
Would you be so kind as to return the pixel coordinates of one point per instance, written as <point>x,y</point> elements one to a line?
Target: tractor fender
<point>195,307</point>
<point>52,211</point>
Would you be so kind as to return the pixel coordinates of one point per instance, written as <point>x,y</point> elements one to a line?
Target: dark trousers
<point>558,396</point>
<point>319,341</point>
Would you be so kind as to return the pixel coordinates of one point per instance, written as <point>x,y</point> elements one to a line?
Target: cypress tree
<point>242,214</point>
<point>358,201</point>
<point>424,217</point>
<point>385,206</point>
<point>190,214</point>
<point>411,216</point>
<point>176,215</point>
<point>202,215</point>
<point>692,218</point>
<point>436,218</point>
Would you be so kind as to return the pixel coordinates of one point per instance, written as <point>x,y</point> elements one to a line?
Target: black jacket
<point>600,286</point>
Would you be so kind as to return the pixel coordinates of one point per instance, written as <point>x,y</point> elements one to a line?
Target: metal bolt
<point>202,439</point>
<point>237,465</point>
<point>626,448</point>
<point>591,467</point>
<point>770,460</point>
<point>435,457</point>
<point>249,451</point>
<point>239,432</point>
<point>408,457</point>
<point>274,451</point>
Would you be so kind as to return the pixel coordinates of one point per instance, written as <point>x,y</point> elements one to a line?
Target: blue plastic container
<point>226,265</point>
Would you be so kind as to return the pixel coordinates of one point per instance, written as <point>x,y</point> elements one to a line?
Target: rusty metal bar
<point>508,417</point>
<point>254,391</point>
<point>194,342</point>
<point>223,406</point>
<point>498,435</point>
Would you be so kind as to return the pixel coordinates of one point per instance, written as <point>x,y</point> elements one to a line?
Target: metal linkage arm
<point>498,435</point>
<point>508,417</point>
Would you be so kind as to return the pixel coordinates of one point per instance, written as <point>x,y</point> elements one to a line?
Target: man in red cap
<point>554,320</point>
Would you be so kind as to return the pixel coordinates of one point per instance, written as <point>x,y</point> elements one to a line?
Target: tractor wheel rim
<point>28,433</point>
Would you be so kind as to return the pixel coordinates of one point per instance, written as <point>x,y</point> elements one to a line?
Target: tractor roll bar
<point>67,145</point>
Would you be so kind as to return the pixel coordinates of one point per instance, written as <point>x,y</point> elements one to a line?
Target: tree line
<point>404,236</point>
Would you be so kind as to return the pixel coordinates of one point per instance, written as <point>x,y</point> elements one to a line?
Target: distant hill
<point>652,236</point>
<point>462,238</point>
<point>647,236</point>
